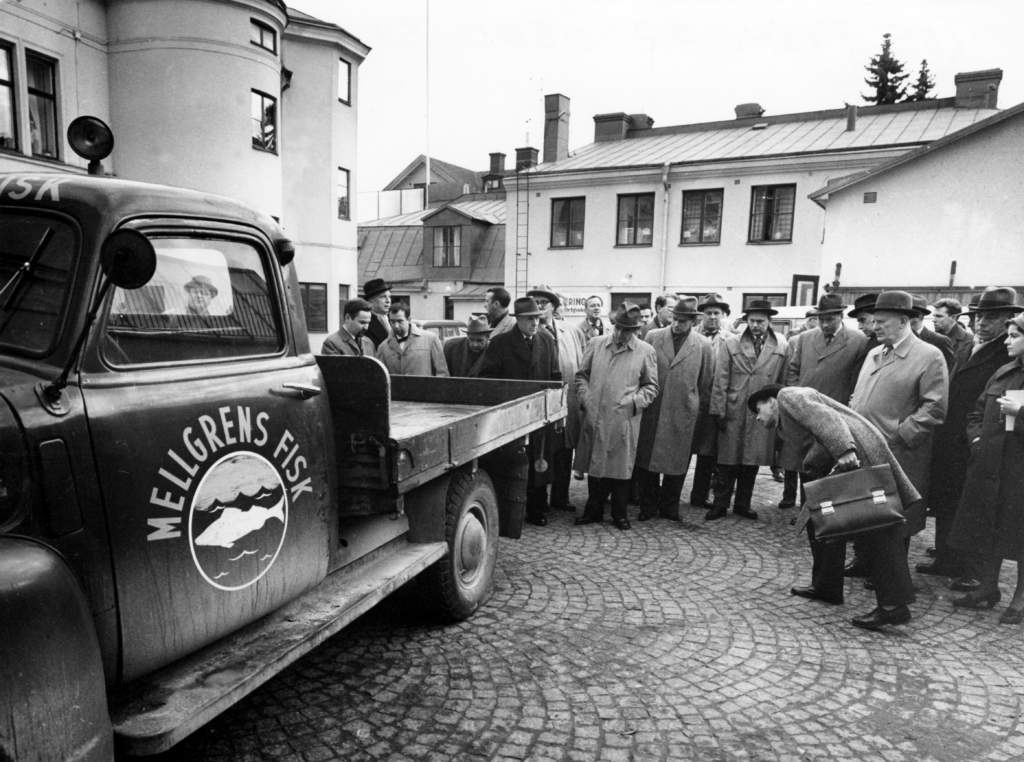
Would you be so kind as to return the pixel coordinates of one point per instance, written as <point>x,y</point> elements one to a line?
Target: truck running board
<point>173,702</point>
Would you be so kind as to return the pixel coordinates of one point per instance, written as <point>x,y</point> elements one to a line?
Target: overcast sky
<point>491,63</point>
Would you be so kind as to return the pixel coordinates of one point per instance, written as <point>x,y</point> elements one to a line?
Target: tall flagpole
<point>426,69</point>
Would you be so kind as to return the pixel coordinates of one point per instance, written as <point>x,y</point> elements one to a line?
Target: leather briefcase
<point>850,503</point>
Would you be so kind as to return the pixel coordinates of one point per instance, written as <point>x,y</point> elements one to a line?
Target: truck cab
<point>177,468</point>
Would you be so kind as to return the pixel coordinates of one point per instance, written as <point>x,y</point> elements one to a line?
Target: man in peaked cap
<point>746,362</point>
<point>529,354</point>
<point>617,379</point>
<point>378,293</point>
<point>465,354</point>
<point>974,365</point>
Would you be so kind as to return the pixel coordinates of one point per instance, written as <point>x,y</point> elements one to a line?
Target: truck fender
<point>53,702</point>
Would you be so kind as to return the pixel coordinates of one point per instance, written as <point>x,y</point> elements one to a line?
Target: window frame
<point>344,294</point>
<point>347,100</point>
<point>347,175</point>
<point>264,27</point>
<point>702,221</point>
<point>770,221</point>
<point>636,197</point>
<point>305,288</point>
<point>571,202</point>
<point>7,49</point>
<point>256,145</point>
<point>51,98</point>
<point>446,247</point>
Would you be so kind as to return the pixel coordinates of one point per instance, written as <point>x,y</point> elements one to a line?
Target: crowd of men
<point>647,394</point>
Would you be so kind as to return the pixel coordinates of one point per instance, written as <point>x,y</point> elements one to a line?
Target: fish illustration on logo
<point>238,520</point>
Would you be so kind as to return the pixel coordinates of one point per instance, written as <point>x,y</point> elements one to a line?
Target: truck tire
<point>461,581</point>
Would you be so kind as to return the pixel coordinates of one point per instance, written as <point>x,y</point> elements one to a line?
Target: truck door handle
<point>299,391</point>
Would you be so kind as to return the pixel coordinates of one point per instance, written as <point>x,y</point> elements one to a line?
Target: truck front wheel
<point>463,579</point>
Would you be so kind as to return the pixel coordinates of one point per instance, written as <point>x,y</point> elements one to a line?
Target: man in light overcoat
<point>713,326</point>
<point>903,389</point>
<point>746,362</point>
<point>685,374</point>
<point>617,380</point>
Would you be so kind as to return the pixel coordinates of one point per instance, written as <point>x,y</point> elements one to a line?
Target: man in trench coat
<point>746,362</point>
<point>713,326</point>
<point>903,388</point>
<point>666,431</point>
<point>617,380</point>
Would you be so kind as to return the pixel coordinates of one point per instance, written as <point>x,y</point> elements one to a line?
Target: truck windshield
<point>37,253</point>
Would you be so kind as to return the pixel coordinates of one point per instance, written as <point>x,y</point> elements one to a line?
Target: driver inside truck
<point>200,291</point>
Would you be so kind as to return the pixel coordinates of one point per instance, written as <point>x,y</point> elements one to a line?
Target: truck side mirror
<point>128,259</point>
<point>285,251</point>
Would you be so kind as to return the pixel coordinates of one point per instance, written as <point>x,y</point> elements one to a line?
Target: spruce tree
<point>924,83</point>
<point>886,75</point>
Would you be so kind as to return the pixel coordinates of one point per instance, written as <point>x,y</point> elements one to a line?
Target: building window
<point>263,36</point>
<point>776,300</point>
<point>42,104</point>
<point>702,216</point>
<point>343,194</point>
<point>8,124</point>
<point>344,81</point>
<point>635,220</point>
<point>264,121</point>
<point>567,222</point>
<point>447,246</point>
<point>344,291</point>
<point>771,213</point>
<point>314,305</point>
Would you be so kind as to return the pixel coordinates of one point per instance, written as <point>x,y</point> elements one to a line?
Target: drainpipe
<point>662,287</point>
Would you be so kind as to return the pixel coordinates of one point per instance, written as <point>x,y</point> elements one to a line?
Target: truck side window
<point>210,298</point>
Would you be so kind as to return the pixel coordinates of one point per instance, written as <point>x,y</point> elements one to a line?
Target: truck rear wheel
<point>463,579</point>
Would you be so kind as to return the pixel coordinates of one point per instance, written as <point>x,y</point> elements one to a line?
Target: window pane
<point>208,299</point>
<point>343,194</point>
<point>43,124</point>
<point>264,121</point>
<point>771,212</point>
<point>314,304</point>
<point>344,81</point>
<point>40,74</point>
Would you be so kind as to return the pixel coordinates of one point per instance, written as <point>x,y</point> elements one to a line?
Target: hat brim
<point>685,314</point>
<point>769,313</point>
<point>714,305</point>
<point>831,311</point>
<point>899,310</point>
<point>1009,307</point>
<point>531,313</point>
<point>549,295</point>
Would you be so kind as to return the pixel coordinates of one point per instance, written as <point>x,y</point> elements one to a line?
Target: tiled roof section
<point>440,172</point>
<point>817,132</point>
<point>486,210</point>
<point>394,251</point>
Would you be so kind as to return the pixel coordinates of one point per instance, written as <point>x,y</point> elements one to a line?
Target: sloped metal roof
<point>815,132</point>
<point>491,211</point>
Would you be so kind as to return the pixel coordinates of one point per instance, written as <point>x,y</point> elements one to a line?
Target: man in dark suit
<point>465,354</point>
<point>945,314</point>
<point>351,339</point>
<point>378,293</point>
<point>528,354</point>
<point>926,334</point>
<point>972,370</point>
<point>663,306</point>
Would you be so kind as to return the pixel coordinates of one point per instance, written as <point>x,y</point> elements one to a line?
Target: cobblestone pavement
<point>670,641</point>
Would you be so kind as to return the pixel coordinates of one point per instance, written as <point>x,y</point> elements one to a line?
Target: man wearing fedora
<point>410,351</point>
<point>746,362</point>
<point>378,293</point>
<point>617,380</point>
<point>685,372</point>
<point>351,338</point>
<point>924,333</point>
<point>974,365</point>
<point>200,292</point>
<point>861,312</point>
<point>529,354</point>
<point>465,354</point>
<point>714,315</point>
<point>563,436</point>
<point>827,359</point>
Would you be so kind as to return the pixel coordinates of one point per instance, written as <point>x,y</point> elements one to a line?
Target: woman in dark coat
<point>990,520</point>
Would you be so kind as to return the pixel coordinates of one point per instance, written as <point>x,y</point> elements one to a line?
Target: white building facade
<point>243,98</point>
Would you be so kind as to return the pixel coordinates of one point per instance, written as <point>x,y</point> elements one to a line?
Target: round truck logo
<point>238,520</point>
<point>230,503</point>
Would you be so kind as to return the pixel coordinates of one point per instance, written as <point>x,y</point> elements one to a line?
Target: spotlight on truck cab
<point>91,139</point>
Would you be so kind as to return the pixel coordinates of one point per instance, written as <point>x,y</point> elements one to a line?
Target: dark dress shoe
<point>699,503</point>
<point>787,503</point>
<point>567,507</point>
<point>965,584</point>
<point>745,513</point>
<point>537,519</point>
<point>868,584</point>
<point>979,599</point>
<point>715,514</point>
<point>621,523</point>
<point>936,569</point>
<point>669,516</point>
<point>930,552</point>
<point>1012,616</point>
<point>879,617</point>
<point>644,516</point>
<point>815,595</point>
<point>856,568</point>
<point>581,520</point>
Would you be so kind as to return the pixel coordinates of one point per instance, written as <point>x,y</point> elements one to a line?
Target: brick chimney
<point>639,122</point>
<point>526,158</point>
<point>610,126</point>
<point>748,110</point>
<point>556,127</point>
<point>494,180</point>
<point>978,89</point>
